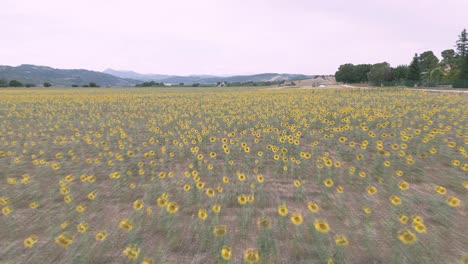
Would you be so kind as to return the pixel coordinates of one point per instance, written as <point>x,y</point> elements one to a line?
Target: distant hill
<point>208,79</point>
<point>58,77</point>
<point>136,76</point>
<point>37,75</point>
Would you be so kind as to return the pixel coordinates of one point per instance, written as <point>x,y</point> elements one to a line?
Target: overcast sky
<point>225,36</point>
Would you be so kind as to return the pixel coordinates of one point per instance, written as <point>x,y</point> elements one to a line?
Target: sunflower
<point>64,240</point>
<point>225,179</point>
<point>220,230</point>
<point>30,241</point>
<point>419,227</point>
<point>138,205</point>
<point>283,210</point>
<point>403,218</point>
<point>328,182</point>
<point>296,218</point>
<point>297,183</point>
<point>341,240</point>
<point>82,227</point>
<point>339,189</point>
<point>132,252</point>
<point>313,207</point>
<point>202,214</point>
<point>395,200</point>
<point>80,208</point>
<point>226,253</point>
<point>91,195</point>
<point>403,185</point>
<point>172,207</point>
<point>371,190</point>
<point>126,225</point>
<point>161,202</point>
<point>453,201</point>
<point>440,190</point>
<point>251,255</point>
<point>367,210</point>
<point>260,178</point>
<point>100,236</point>
<point>210,192</point>
<point>417,219</point>
<point>216,208</point>
<point>200,185</point>
<point>407,237</point>
<point>242,199</point>
<point>321,226</point>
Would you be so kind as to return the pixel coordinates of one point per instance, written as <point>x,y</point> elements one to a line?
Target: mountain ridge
<point>37,74</point>
<point>209,79</point>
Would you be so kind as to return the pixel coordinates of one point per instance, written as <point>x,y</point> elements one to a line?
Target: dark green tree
<point>15,83</point>
<point>427,62</point>
<point>345,73</point>
<point>448,58</point>
<point>462,44</point>
<point>435,76</point>
<point>414,73</point>
<point>380,74</point>
<point>361,71</point>
<point>462,80</point>
<point>3,83</point>
<point>401,73</point>
<point>46,84</point>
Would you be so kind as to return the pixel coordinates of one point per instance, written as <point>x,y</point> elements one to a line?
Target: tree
<point>462,44</point>
<point>93,84</point>
<point>448,58</point>
<point>46,84</point>
<point>15,83</point>
<point>414,73</point>
<point>181,84</point>
<point>345,73</point>
<point>380,73</point>
<point>401,73</point>
<point>427,62</point>
<point>435,76</point>
<point>361,71</point>
<point>462,80</point>
<point>3,83</point>
<point>29,85</point>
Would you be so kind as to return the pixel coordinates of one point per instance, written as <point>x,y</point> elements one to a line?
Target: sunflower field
<point>233,175</point>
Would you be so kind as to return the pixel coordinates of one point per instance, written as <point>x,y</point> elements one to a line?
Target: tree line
<point>227,84</point>
<point>15,83</point>
<point>425,69</point>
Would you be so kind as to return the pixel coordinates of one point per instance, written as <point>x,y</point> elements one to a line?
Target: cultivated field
<point>233,176</point>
